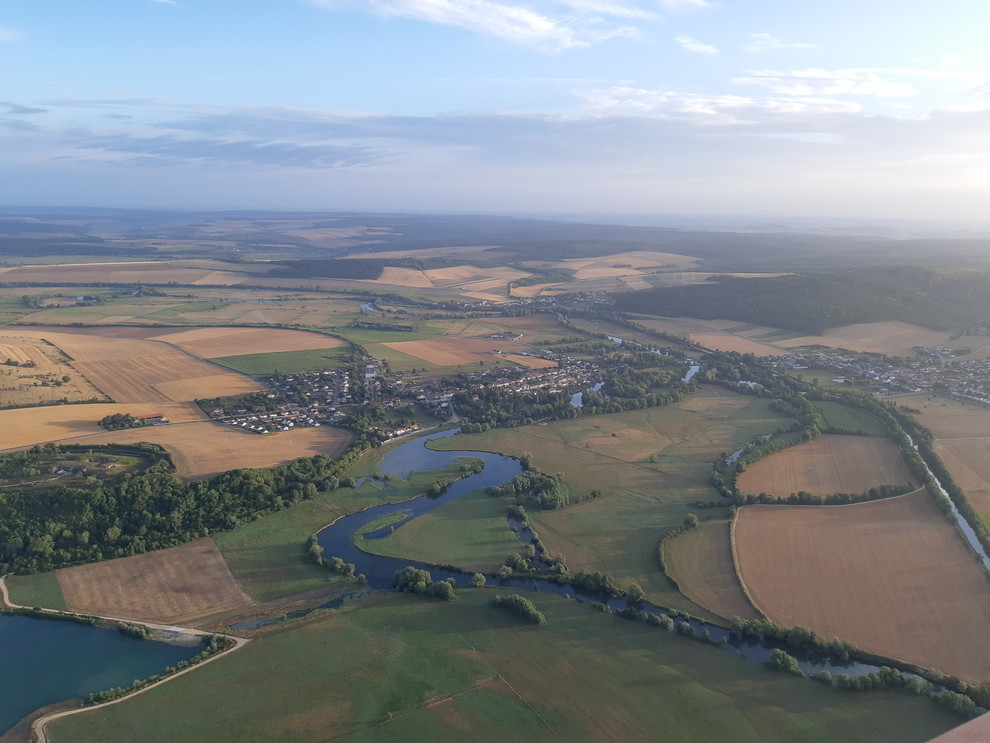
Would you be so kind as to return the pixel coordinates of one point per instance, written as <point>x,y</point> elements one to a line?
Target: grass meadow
<point>406,668</point>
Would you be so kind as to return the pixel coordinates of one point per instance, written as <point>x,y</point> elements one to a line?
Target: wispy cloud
<point>682,4</point>
<point>693,45</point>
<point>766,42</point>
<point>16,108</point>
<point>533,25</point>
<point>814,82</point>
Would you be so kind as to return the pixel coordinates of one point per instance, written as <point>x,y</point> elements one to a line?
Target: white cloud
<point>516,23</point>
<point>766,42</point>
<point>693,45</point>
<point>681,4</point>
<point>814,82</point>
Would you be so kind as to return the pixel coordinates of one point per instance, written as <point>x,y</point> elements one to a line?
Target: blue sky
<point>866,110</point>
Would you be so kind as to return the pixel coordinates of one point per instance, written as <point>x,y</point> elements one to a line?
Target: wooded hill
<point>814,302</point>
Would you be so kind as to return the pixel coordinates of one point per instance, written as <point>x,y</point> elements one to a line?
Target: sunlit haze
<point>875,110</point>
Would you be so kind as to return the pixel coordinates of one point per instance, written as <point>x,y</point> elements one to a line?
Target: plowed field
<point>169,586</point>
<point>892,576</point>
<point>828,464</point>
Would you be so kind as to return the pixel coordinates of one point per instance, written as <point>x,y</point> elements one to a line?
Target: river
<point>336,541</point>
<point>47,661</point>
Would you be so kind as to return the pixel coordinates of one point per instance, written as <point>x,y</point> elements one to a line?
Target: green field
<point>407,668</point>
<point>851,419</point>
<point>470,532</point>
<point>40,589</point>
<point>287,362</point>
<point>652,465</point>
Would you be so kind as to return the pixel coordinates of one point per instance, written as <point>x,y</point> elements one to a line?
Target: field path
<point>39,725</point>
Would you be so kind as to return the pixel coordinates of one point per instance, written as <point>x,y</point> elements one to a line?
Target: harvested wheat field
<point>949,419</point>
<point>33,372</point>
<point>969,462</point>
<point>402,277</point>
<point>892,338</point>
<point>828,464</point>
<point>205,449</point>
<point>168,586</point>
<point>452,350</point>
<point>700,561</point>
<point>23,427</point>
<point>892,577</point>
<point>211,343</point>
<point>131,370</point>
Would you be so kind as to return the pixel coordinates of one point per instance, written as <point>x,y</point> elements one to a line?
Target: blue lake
<point>46,661</point>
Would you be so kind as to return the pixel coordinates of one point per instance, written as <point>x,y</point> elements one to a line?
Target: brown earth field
<point>700,560</point>
<point>969,462</point>
<point>204,449</point>
<point>169,586</point>
<point>452,350</point>
<point>131,370</point>
<point>892,577</point>
<point>828,464</point>
<point>23,427</point>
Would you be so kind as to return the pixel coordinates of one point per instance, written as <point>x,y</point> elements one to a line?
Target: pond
<point>46,661</point>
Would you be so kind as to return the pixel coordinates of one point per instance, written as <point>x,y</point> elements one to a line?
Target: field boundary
<point>735,568</point>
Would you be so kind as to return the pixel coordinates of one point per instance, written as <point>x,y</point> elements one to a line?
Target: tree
<point>478,580</point>
<point>635,594</point>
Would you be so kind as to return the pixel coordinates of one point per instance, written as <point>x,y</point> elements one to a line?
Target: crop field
<point>651,472</point>
<point>947,418</point>
<point>493,679</point>
<point>529,361</point>
<point>210,343</point>
<point>131,370</point>
<point>969,462</point>
<point>29,426</point>
<point>828,464</point>
<point>148,272</point>
<point>700,560</point>
<point>892,338</point>
<point>265,364</point>
<point>33,372</point>
<point>169,586</point>
<point>899,579</point>
<point>453,350</point>
<point>205,449</point>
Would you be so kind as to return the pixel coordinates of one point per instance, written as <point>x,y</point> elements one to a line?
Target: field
<point>33,372</point>
<point>891,338</point>
<point>826,465</point>
<point>169,586</point>
<point>651,471</point>
<point>969,462</point>
<point>287,362</point>
<point>148,272</point>
<point>851,419</point>
<point>453,350</point>
<point>38,589</point>
<point>205,449</point>
<point>700,560</point>
<point>402,668</point>
<point>899,579</point>
<point>721,335</point>
<point>949,419</point>
<point>210,343</point>
<point>469,532</point>
<point>29,426</point>
<point>131,370</point>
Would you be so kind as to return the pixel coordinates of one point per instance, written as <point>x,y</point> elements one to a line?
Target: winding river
<point>336,541</point>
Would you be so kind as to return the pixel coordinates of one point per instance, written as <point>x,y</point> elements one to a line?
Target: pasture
<point>204,449</point>
<point>828,464</point>
<point>37,589</point>
<point>651,472</point>
<point>850,419</point>
<point>174,585</point>
<point>29,426</point>
<point>898,579</point>
<point>470,532</point>
<point>404,668</point>
<point>700,560</point>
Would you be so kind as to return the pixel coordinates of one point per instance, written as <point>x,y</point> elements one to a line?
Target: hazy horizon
<point>571,107</point>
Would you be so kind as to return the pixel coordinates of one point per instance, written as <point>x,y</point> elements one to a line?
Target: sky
<point>865,109</point>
